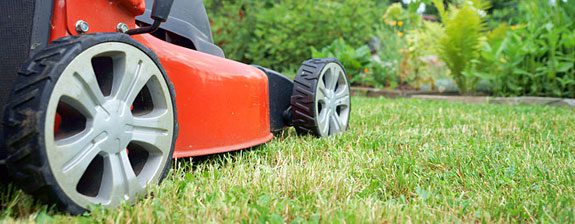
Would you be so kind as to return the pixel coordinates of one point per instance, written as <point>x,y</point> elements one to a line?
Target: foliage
<point>388,59</point>
<point>278,34</point>
<point>395,15</point>
<point>536,57</point>
<point>515,47</point>
<point>403,63</point>
<point>364,69</point>
<point>355,61</point>
<point>503,11</point>
<point>460,45</point>
<point>420,65</point>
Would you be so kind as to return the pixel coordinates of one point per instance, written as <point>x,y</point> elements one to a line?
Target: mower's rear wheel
<point>91,120</point>
<point>321,98</point>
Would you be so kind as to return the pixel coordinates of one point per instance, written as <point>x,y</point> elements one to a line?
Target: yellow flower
<point>394,23</point>
<point>400,34</point>
<point>400,23</point>
<point>513,27</point>
<point>401,51</point>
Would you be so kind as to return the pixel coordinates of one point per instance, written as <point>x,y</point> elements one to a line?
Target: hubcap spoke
<point>87,76</point>
<point>133,79</point>
<point>322,93</point>
<point>339,76</point>
<point>84,92</point>
<point>76,168</point>
<point>342,97</point>
<point>341,123</point>
<point>334,123</point>
<point>323,121</point>
<point>120,179</point>
<point>331,78</point>
<point>159,120</point>
<point>154,130</point>
<point>76,153</point>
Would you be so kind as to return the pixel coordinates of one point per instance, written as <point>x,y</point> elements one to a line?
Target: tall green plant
<point>355,60</point>
<point>420,64</point>
<point>537,56</point>
<point>278,34</point>
<point>460,46</point>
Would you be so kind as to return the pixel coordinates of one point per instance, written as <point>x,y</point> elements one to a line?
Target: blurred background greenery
<point>502,48</point>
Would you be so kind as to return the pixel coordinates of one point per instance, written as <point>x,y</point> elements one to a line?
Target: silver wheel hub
<point>114,126</point>
<point>109,125</point>
<point>332,100</point>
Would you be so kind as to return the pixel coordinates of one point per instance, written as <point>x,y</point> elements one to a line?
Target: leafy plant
<point>386,65</point>
<point>536,57</point>
<point>420,65</point>
<point>355,61</point>
<point>503,11</point>
<point>460,45</point>
<point>278,34</point>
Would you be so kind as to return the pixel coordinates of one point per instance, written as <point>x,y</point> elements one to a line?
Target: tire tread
<point>303,96</point>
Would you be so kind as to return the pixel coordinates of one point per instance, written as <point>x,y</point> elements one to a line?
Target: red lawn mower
<point>88,90</point>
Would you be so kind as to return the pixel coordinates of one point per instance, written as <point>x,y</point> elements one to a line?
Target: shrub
<point>421,65</point>
<point>278,34</point>
<point>365,69</point>
<point>355,61</point>
<point>460,45</point>
<point>503,11</point>
<point>385,71</point>
<point>537,56</point>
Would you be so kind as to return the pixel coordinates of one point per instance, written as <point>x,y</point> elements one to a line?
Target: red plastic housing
<point>222,105</point>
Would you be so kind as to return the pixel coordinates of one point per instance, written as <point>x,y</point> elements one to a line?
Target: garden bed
<point>393,94</point>
<point>454,97</point>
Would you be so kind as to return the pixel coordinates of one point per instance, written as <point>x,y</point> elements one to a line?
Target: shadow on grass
<point>214,159</point>
<point>221,159</point>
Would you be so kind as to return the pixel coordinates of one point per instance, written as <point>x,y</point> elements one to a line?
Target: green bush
<point>355,61</point>
<point>421,66</point>
<point>537,56</point>
<point>503,11</point>
<point>279,34</point>
<point>385,71</point>
<point>533,55</point>
<point>460,45</point>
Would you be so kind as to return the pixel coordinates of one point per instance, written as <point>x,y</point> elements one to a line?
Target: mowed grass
<point>401,161</point>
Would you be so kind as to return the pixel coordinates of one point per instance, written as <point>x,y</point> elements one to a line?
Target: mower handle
<point>161,9</point>
<point>160,13</point>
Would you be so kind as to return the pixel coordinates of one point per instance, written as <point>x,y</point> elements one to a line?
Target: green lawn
<point>401,161</point>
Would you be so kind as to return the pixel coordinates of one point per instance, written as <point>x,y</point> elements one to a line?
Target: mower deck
<point>223,104</point>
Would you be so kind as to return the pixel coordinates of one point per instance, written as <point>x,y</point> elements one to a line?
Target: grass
<point>401,161</point>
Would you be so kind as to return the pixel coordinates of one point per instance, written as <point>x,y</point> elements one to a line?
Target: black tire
<point>303,100</point>
<point>25,116</point>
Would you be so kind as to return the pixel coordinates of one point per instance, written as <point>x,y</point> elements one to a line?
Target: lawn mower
<point>88,88</point>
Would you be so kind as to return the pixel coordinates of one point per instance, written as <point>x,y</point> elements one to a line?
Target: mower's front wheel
<point>91,121</point>
<point>321,98</point>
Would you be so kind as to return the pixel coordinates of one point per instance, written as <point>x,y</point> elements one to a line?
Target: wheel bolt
<point>122,28</point>
<point>82,26</point>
